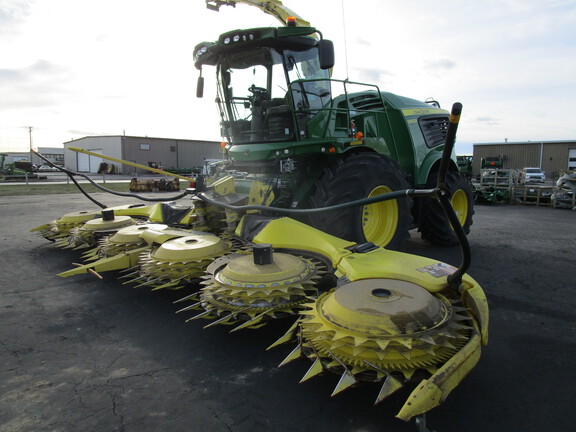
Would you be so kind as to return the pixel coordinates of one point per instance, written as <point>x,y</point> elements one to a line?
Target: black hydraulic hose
<point>133,195</point>
<point>455,279</point>
<point>71,177</point>
<point>110,191</point>
<point>361,202</point>
<point>86,194</point>
<point>449,144</point>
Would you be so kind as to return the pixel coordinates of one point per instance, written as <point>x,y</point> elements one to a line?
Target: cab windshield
<point>255,95</point>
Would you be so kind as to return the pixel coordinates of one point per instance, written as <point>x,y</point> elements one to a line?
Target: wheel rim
<point>460,204</point>
<point>380,220</point>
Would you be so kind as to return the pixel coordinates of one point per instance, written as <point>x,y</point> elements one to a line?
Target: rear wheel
<point>434,224</point>
<point>359,176</point>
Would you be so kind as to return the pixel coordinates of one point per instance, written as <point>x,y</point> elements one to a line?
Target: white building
<point>53,154</point>
<point>166,153</point>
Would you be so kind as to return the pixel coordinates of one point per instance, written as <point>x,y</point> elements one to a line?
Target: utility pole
<point>30,133</point>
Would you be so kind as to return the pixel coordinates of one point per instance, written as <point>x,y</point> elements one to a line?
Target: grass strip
<point>53,189</point>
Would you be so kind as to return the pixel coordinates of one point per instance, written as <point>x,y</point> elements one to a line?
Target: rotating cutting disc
<point>190,248</point>
<point>251,293</point>
<point>124,240</point>
<point>392,324</point>
<point>62,226</point>
<point>100,224</point>
<point>133,233</point>
<point>383,307</point>
<point>93,230</point>
<point>179,260</point>
<point>378,330</point>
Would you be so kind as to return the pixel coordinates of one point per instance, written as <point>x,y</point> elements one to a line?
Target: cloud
<point>487,120</point>
<point>80,132</point>
<point>16,75</point>
<point>12,14</point>
<point>371,75</point>
<point>40,84</point>
<point>363,42</point>
<point>442,63</point>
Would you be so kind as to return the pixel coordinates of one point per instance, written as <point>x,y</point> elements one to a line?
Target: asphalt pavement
<point>83,354</point>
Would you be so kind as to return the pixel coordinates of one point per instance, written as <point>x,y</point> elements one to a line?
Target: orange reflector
<point>291,21</point>
<point>359,135</point>
<point>332,150</point>
<point>223,144</point>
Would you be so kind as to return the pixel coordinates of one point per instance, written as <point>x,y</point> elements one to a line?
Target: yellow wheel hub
<point>380,220</point>
<point>460,204</point>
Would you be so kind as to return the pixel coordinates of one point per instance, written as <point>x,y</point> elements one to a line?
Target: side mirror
<point>326,54</point>
<point>200,87</point>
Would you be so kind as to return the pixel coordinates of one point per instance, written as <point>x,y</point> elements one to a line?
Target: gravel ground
<point>82,354</point>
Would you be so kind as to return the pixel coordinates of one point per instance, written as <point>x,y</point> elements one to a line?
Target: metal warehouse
<point>53,154</point>
<point>163,153</point>
<point>551,156</point>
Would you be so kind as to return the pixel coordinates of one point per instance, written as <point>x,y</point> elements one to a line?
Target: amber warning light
<point>291,21</point>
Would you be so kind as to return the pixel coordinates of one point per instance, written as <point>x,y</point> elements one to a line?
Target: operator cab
<point>268,85</point>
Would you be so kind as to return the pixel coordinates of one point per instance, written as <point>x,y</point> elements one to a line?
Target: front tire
<point>434,225</point>
<point>360,176</point>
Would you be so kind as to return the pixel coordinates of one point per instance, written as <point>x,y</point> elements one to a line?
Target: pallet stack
<point>495,186</point>
<point>564,195</point>
<point>498,178</point>
<point>532,195</point>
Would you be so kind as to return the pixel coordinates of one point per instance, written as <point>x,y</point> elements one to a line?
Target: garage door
<point>572,159</point>
<point>87,163</point>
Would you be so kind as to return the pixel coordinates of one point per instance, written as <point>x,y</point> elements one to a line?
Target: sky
<point>75,68</point>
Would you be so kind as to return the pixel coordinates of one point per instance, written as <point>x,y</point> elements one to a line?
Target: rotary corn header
<point>360,311</point>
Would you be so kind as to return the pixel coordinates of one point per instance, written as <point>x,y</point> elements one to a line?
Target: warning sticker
<point>438,270</point>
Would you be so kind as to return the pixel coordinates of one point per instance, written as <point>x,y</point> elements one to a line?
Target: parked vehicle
<point>532,175</point>
<point>47,168</point>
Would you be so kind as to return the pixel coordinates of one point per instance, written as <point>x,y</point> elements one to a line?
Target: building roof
<point>138,137</point>
<point>527,142</point>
